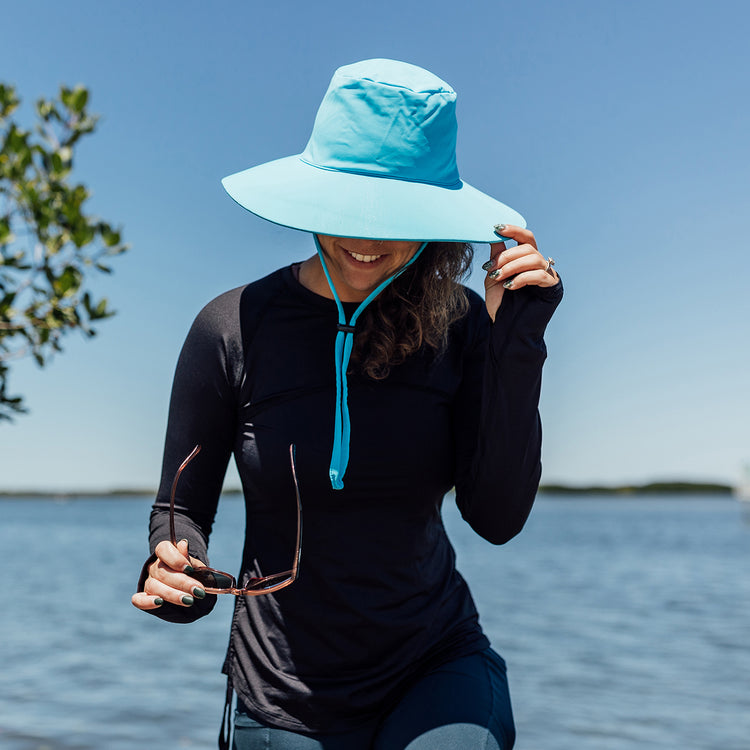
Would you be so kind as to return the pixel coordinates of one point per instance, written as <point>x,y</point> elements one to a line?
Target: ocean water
<point>625,624</point>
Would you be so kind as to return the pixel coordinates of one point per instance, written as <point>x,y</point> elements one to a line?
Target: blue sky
<point>620,131</point>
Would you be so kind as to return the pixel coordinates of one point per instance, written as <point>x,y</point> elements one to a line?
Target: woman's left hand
<point>516,267</point>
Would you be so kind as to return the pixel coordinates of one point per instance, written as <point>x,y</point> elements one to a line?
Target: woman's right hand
<point>168,578</point>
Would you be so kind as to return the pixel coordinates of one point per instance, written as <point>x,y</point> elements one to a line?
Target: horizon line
<point>653,487</point>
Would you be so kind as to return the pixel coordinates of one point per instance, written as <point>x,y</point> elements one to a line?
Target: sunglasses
<point>216,581</point>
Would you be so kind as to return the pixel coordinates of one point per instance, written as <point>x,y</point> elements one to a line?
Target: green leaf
<point>70,279</point>
<point>110,237</point>
<point>6,236</point>
<point>8,100</point>
<point>79,99</point>
<point>66,96</point>
<point>44,109</point>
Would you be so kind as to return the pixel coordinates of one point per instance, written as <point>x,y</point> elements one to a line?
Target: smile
<point>364,258</point>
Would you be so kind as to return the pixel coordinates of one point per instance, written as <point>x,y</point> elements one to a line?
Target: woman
<point>394,384</point>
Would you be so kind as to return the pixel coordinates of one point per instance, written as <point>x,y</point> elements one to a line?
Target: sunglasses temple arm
<point>193,454</point>
<point>295,565</point>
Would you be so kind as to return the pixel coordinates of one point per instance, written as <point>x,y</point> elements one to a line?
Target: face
<point>358,266</point>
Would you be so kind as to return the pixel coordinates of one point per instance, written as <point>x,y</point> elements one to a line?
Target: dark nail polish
<point>508,284</point>
<point>188,569</point>
<point>486,266</point>
<point>494,274</point>
<point>188,600</point>
<point>199,593</point>
<point>158,601</point>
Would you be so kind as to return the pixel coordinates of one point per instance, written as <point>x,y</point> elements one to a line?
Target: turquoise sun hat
<point>380,164</point>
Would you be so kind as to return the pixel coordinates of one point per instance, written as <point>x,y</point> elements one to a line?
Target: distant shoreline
<point>649,489</point>
<point>652,488</point>
<point>87,494</point>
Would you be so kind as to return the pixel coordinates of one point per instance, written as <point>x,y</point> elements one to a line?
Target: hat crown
<point>389,119</point>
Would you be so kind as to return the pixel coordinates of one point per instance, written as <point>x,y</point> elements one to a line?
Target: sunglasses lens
<point>213,579</point>
<point>259,584</point>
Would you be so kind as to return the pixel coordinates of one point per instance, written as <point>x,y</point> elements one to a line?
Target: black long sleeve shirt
<point>378,598</point>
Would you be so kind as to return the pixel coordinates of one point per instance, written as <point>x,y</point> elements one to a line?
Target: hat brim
<point>296,194</point>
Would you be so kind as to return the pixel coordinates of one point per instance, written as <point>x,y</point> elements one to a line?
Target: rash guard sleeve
<point>202,411</point>
<point>499,434</point>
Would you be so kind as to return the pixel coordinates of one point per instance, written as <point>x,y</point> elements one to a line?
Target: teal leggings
<point>463,704</point>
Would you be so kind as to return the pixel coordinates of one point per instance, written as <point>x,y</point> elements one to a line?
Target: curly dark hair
<point>417,309</point>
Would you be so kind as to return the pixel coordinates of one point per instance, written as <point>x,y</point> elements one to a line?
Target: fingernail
<point>188,600</point>
<point>188,569</point>
<point>508,284</point>
<point>199,593</point>
<point>500,228</point>
<point>158,601</point>
<point>486,266</point>
<point>494,274</point>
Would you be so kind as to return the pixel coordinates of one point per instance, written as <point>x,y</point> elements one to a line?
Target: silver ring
<point>548,269</point>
